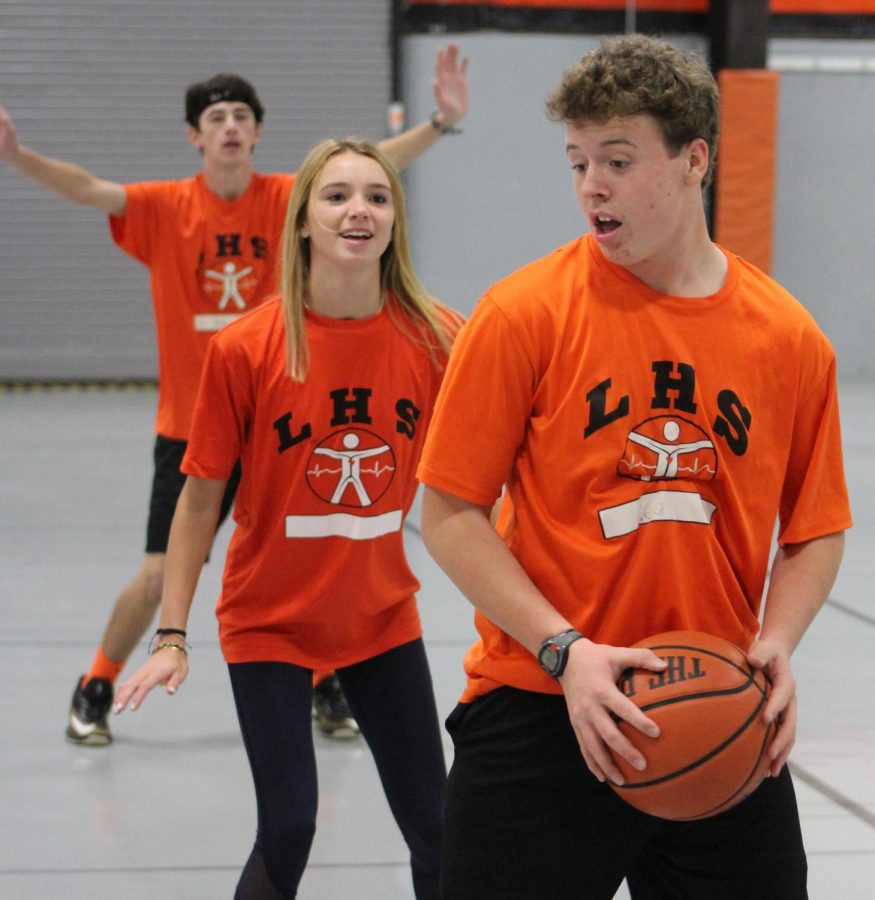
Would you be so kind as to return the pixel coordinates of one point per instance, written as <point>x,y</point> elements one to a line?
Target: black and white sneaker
<point>88,711</point>
<point>331,711</point>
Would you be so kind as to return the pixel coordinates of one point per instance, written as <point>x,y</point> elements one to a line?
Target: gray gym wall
<point>101,84</point>
<point>825,191</point>
<point>500,194</point>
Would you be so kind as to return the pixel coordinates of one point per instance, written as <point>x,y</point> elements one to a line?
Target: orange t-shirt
<point>210,260</point>
<point>316,573</point>
<point>648,444</point>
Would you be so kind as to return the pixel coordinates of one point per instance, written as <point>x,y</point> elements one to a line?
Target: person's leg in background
<point>133,612</point>
<point>331,712</point>
<point>137,604</point>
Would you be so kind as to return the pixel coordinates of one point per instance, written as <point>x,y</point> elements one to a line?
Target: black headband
<point>221,89</point>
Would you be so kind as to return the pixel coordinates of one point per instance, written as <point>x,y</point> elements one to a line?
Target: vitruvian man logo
<point>229,285</point>
<point>666,448</point>
<point>351,468</point>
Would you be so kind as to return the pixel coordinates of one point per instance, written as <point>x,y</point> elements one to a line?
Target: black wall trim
<point>848,27</point>
<point>437,19</point>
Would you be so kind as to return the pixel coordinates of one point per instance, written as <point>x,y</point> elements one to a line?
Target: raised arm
<point>802,577</point>
<point>450,86</point>
<point>460,537</point>
<point>66,179</point>
<point>191,536</point>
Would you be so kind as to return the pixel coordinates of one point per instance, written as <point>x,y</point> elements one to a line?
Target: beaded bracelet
<point>169,646</point>
<point>162,632</point>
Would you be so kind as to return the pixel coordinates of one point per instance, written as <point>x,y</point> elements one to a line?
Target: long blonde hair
<point>421,310</point>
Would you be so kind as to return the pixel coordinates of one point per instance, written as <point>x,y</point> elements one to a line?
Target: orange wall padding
<point>833,7</point>
<point>745,188</point>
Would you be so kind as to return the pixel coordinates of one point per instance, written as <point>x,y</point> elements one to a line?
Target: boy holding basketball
<point>652,404</point>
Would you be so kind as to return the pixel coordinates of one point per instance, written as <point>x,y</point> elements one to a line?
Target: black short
<point>167,486</point>
<point>526,820</point>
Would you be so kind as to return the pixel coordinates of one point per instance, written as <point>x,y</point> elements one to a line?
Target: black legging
<point>392,699</point>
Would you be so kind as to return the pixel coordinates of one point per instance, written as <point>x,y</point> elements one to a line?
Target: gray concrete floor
<point>168,811</point>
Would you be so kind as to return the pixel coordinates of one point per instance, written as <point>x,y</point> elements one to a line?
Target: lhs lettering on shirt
<point>669,446</point>
<point>232,245</point>
<point>227,284</point>
<point>346,406</point>
<point>349,469</point>
<point>674,388</point>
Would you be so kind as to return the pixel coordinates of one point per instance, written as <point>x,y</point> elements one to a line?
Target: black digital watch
<point>553,655</point>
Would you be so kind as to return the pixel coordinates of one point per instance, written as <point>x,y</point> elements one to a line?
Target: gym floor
<point>167,810</point>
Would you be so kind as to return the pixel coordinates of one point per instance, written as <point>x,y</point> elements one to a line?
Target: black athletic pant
<point>526,820</point>
<point>392,699</point>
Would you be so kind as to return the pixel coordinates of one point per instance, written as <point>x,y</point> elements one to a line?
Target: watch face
<point>550,657</point>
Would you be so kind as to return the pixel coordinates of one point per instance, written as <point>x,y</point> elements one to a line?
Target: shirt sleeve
<point>222,413</point>
<point>814,500</point>
<point>135,231</point>
<point>482,410</point>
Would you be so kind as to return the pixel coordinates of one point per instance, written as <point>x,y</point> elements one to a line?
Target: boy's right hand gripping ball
<point>708,703</point>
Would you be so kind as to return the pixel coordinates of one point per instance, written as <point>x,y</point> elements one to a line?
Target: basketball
<point>708,703</point>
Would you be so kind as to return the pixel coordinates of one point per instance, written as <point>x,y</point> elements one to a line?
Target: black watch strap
<point>442,129</point>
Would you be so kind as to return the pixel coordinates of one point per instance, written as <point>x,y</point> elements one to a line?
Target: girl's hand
<point>167,666</point>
